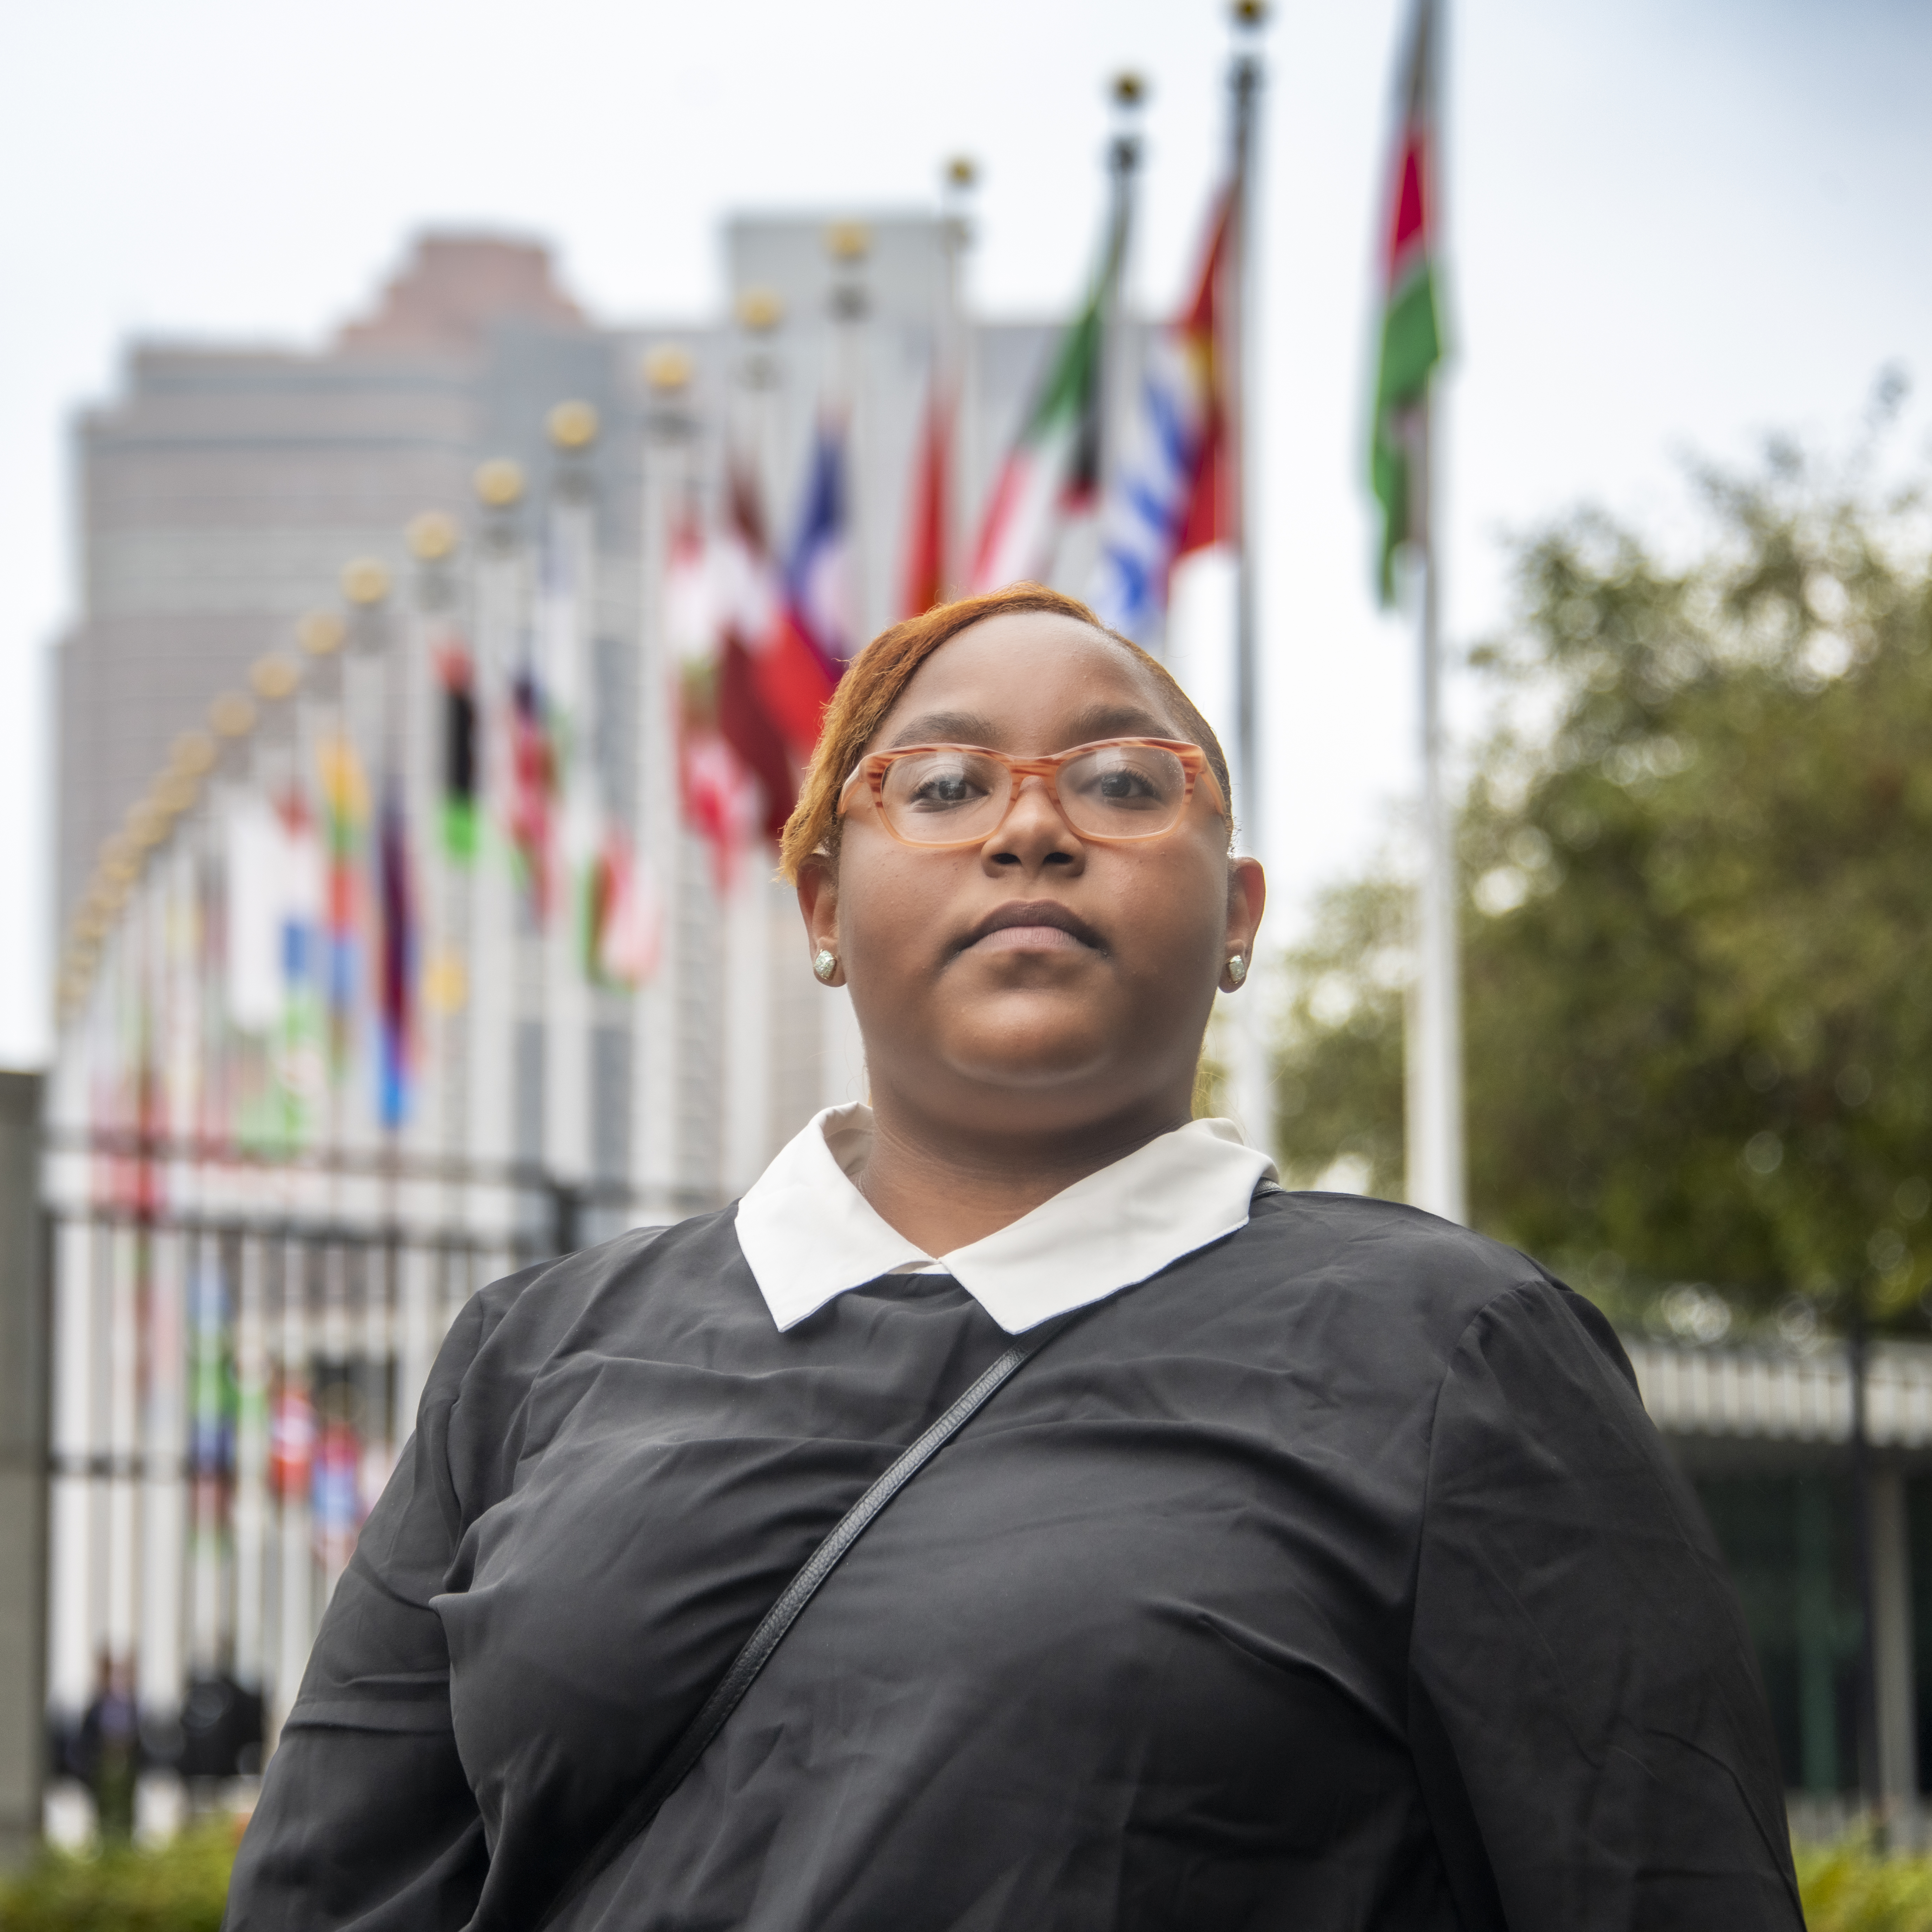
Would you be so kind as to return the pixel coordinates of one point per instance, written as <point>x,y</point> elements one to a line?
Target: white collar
<point>809,1234</point>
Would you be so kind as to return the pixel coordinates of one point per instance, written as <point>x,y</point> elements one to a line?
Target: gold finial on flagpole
<point>320,633</point>
<point>759,309</point>
<point>432,536</point>
<point>572,426</point>
<point>177,791</point>
<point>145,827</point>
<point>192,753</point>
<point>849,242</point>
<point>232,716</point>
<point>365,582</point>
<point>668,367</point>
<point>499,483</point>
<point>273,676</point>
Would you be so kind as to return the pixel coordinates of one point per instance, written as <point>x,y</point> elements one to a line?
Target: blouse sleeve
<point>1585,1710</point>
<point>365,1817</point>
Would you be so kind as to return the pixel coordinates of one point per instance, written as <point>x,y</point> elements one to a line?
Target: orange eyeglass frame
<point>873,768</point>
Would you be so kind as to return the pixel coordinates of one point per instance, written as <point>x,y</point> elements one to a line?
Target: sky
<point>1671,231</point>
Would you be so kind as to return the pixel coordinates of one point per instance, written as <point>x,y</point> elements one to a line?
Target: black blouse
<point>1332,1578</point>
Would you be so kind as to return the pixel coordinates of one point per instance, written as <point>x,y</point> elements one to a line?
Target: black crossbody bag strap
<point>731,1687</point>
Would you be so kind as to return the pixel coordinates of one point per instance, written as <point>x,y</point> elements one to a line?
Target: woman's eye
<point>943,791</point>
<point>1122,788</point>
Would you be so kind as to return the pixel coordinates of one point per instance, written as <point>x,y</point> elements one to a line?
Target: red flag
<point>395,964</point>
<point>801,653</point>
<point>533,785</point>
<point>925,584</point>
<point>719,796</point>
<point>625,922</point>
<point>793,686</point>
<point>751,608</point>
<point>1212,512</point>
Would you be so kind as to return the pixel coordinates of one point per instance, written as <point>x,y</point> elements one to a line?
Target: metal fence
<point>238,1353</point>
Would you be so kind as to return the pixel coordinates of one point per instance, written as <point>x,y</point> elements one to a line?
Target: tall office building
<point>222,492</point>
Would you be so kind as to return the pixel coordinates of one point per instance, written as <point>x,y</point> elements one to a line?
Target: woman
<point>1321,1571</point>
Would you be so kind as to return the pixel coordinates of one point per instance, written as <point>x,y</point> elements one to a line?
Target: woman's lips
<point>1033,926</point>
<point>1030,939</point>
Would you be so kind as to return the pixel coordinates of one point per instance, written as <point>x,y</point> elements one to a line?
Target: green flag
<point>1411,340</point>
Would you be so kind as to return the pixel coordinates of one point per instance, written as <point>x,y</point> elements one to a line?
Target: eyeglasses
<point>1117,791</point>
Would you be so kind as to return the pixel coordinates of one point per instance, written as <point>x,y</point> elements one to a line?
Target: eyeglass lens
<point>951,793</point>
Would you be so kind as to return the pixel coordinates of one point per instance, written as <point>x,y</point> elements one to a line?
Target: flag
<point>818,576</point>
<point>457,675</point>
<point>721,801</point>
<point>798,662</point>
<point>300,1067</point>
<point>748,608</point>
<point>256,879</point>
<point>291,1438</point>
<point>924,584</point>
<point>1174,491</point>
<point>1052,472</point>
<point>758,744</point>
<point>1411,344</point>
<point>345,798</point>
<point>395,984</point>
<point>625,928</point>
<point>566,682</point>
<point>531,783</point>
<point>719,795</point>
<point>210,1377</point>
<point>255,867</point>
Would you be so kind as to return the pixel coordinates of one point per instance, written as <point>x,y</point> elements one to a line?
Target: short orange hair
<point>873,682</point>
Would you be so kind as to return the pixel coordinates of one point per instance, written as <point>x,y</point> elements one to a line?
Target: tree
<point>1698,920</point>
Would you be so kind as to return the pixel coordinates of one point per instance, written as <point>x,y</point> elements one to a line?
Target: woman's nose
<point>1035,834</point>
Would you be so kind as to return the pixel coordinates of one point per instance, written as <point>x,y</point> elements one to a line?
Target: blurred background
<point>440,448</point>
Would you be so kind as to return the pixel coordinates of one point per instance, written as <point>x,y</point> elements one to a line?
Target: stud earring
<point>824,965</point>
<point>1237,969</point>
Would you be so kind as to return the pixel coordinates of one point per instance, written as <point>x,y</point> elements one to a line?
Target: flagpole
<point>962,176</point>
<point>1252,1087</point>
<point>1432,1048</point>
<point>1249,16</point>
<point>1124,157</point>
<point>1437,1178</point>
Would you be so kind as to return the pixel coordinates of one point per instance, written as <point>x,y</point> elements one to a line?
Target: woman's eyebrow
<point>969,727</point>
<point>1119,720</point>
<point>944,727</point>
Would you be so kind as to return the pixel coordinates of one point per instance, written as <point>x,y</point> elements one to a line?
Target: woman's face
<point>1090,1008</point>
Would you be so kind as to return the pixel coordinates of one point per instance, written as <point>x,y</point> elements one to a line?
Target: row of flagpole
<point>417,855</point>
<point>774,631</point>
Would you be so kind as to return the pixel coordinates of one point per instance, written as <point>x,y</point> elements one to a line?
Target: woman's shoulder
<point>1353,1263</point>
<point>1386,1245</point>
<point>521,1320</point>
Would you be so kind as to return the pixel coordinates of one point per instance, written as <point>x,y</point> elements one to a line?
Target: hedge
<point>180,1888</point>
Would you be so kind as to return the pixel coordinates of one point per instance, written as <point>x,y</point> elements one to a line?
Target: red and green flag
<point>1411,343</point>
<point>1052,471</point>
<point>456,674</point>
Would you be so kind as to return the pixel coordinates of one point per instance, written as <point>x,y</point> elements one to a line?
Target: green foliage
<point>1846,1888</point>
<point>181,1887</point>
<point>1338,1078</point>
<point>1696,919</point>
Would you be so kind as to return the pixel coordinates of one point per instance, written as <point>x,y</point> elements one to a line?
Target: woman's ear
<point>818,907</point>
<point>1247,894</point>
